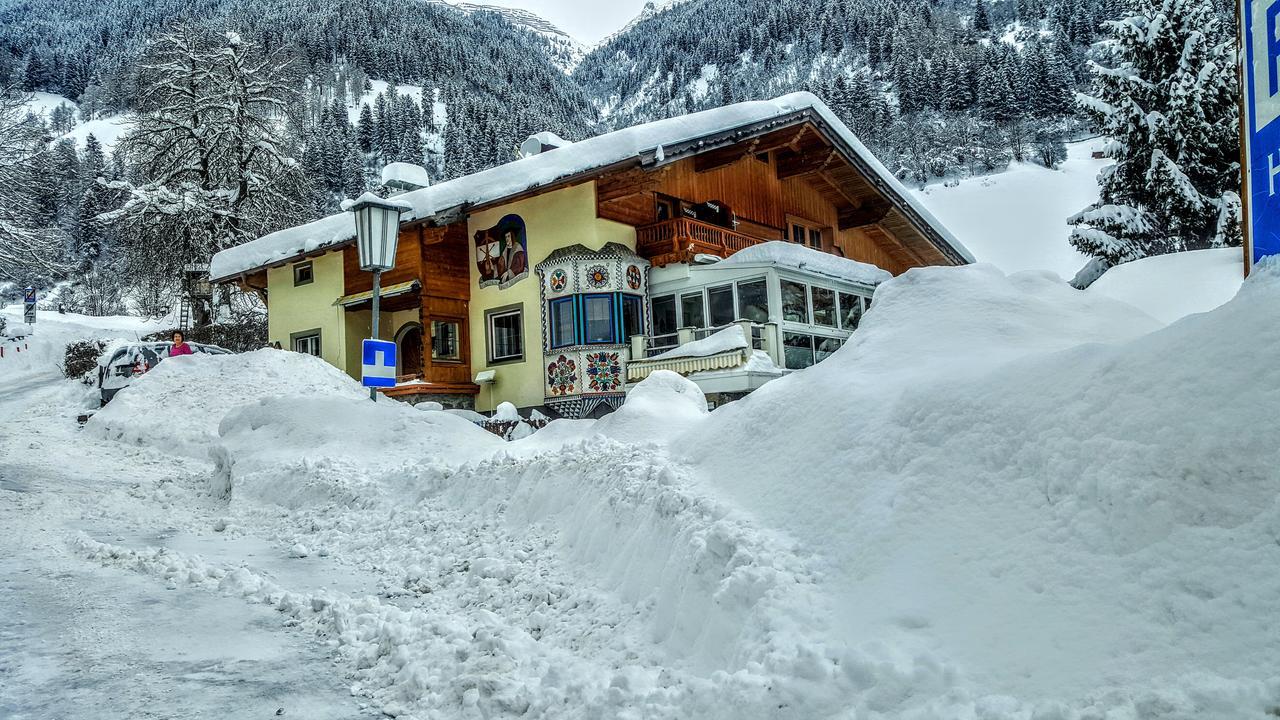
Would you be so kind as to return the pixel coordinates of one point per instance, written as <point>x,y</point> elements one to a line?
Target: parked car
<point>120,364</point>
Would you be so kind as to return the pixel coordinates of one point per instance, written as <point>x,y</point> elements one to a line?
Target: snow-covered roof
<point>405,174</point>
<point>721,341</point>
<point>799,257</point>
<point>553,166</point>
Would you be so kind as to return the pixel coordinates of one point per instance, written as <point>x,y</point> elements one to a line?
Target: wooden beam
<point>724,156</point>
<point>806,163</point>
<point>868,213</point>
<point>628,182</point>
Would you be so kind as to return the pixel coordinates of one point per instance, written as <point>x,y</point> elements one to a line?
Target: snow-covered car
<point>120,364</point>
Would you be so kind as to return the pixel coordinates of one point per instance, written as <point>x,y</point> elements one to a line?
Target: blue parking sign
<point>378,363</point>
<point>1262,126</point>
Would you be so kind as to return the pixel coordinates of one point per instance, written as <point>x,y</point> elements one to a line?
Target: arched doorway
<point>409,349</point>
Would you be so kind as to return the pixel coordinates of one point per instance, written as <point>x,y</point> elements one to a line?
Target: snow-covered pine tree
<point>29,249</point>
<point>1167,100</point>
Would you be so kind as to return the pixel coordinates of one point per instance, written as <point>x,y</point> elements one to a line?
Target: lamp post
<point>377,231</point>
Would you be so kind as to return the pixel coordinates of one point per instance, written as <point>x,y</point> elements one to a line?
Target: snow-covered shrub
<point>81,358</point>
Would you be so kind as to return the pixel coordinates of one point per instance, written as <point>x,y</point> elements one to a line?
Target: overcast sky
<point>587,20</point>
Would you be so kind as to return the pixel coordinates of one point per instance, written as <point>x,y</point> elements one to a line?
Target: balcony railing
<point>679,239</point>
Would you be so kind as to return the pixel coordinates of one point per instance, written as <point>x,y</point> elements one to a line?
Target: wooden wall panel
<point>749,187</point>
<point>408,263</point>
<point>446,293</point>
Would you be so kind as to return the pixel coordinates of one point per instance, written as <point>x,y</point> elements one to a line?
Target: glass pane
<point>795,307</point>
<point>505,336</point>
<point>561,322</point>
<point>664,315</point>
<point>797,233</point>
<point>798,350</point>
<point>850,311</point>
<point>815,237</point>
<point>720,300</point>
<point>632,316</point>
<point>444,340</point>
<point>824,307</point>
<point>826,346</point>
<point>599,310</point>
<point>691,311</point>
<point>753,301</point>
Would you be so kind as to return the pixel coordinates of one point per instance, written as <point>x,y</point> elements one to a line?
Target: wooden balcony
<point>679,239</point>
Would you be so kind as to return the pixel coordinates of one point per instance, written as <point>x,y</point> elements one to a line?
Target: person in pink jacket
<point>180,346</point>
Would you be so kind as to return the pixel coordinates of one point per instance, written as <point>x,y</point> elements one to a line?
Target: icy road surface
<point>78,640</point>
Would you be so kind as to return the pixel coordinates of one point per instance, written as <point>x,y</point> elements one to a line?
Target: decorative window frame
<point>489,315</point>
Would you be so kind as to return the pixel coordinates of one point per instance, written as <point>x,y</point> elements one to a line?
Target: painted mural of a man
<point>513,260</point>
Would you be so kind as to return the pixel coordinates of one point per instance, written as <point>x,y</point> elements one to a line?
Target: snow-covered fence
<point>514,429</point>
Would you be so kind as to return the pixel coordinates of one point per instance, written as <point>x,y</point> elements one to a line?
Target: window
<point>306,342</point>
<point>806,232</point>
<point>797,233</point>
<point>666,209</point>
<point>795,302</point>
<point>815,238</point>
<point>753,301</point>
<point>560,319</point>
<point>850,311</point>
<point>303,274</point>
<point>824,347</point>
<point>691,312</point>
<point>506,334</point>
<point>824,306</point>
<point>797,350</point>
<point>446,340</point>
<point>598,323</point>
<point>632,316</point>
<point>664,315</point>
<point>720,303</point>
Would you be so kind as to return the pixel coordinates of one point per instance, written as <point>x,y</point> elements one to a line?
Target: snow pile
<point>1170,287</point>
<point>178,405</point>
<point>554,165</point>
<point>275,452</point>
<point>1067,528</point>
<point>788,254</point>
<point>407,174</point>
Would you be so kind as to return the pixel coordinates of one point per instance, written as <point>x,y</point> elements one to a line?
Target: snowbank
<point>275,452</point>
<point>179,404</point>
<point>1014,483</point>
<point>1170,287</point>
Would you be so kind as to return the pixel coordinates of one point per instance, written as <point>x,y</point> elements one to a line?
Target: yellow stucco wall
<point>307,307</point>
<point>552,220</point>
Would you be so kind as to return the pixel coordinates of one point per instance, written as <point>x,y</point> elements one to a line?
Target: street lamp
<point>377,230</point>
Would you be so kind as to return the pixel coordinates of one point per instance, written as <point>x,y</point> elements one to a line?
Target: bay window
<point>598,323</point>
<point>691,314</point>
<point>824,306</point>
<point>753,301</point>
<point>720,304</point>
<point>560,322</point>
<point>795,302</point>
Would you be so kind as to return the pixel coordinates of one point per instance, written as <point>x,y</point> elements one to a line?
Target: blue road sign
<point>1262,130</point>
<point>378,363</point>
<point>29,296</point>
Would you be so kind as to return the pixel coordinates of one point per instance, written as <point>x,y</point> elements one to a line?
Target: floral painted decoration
<point>559,280</point>
<point>597,276</point>
<point>562,376</point>
<point>604,372</point>
<point>633,277</point>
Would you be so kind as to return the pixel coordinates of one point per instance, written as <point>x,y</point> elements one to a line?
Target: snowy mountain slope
<point>107,129</point>
<point>1017,219</point>
<point>565,50</point>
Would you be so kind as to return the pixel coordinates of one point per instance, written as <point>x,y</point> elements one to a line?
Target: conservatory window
<point>664,315</point>
<point>691,311</point>
<point>797,350</point>
<point>560,320</point>
<point>753,301</point>
<point>720,303</point>
<point>598,324</point>
<point>824,347</point>
<point>795,302</point>
<point>850,311</point>
<point>824,307</point>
